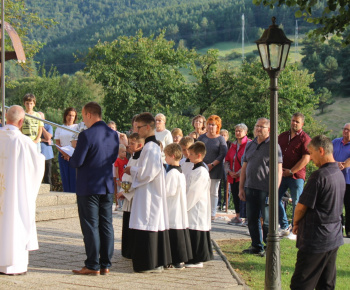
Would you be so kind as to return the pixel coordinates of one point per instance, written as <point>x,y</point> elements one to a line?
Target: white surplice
<point>186,166</point>
<point>21,172</point>
<point>198,199</point>
<point>176,199</point>
<point>149,208</point>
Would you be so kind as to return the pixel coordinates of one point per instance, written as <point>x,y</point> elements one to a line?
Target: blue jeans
<point>256,204</point>
<point>296,188</point>
<point>95,214</point>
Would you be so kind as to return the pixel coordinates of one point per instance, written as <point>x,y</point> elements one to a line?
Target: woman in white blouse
<point>63,138</point>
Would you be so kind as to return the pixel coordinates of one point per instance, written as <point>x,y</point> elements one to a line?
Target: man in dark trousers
<point>317,220</point>
<point>96,150</point>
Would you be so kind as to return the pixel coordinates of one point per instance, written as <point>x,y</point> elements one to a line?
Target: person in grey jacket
<point>216,151</point>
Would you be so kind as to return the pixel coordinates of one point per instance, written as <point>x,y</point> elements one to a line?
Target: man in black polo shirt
<point>317,221</point>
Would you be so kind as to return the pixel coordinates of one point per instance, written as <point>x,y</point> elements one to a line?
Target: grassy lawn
<point>335,116</point>
<point>252,268</point>
<point>225,48</point>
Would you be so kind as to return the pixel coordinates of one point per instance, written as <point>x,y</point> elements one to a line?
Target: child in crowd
<point>198,207</point>
<point>119,166</point>
<point>32,127</point>
<point>135,146</point>
<point>177,135</point>
<point>175,184</point>
<point>185,163</point>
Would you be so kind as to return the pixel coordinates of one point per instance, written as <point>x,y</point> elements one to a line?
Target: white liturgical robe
<point>198,199</point>
<point>21,172</point>
<point>149,208</point>
<point>176,199</point>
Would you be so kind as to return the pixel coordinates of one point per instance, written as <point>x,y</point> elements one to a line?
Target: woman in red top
<point>233,167</point>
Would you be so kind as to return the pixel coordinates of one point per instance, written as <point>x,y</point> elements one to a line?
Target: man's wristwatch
<point>290,172</point>
<point>212,164</point>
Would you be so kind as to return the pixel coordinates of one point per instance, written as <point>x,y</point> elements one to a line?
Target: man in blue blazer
<point>96,151</point>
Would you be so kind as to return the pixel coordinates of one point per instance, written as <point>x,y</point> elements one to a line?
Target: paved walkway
<point>61,250</point>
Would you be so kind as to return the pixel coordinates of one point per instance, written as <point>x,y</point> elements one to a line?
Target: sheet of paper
<point>67,149</point>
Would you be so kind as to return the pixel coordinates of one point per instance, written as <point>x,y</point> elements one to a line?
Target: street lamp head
<point>273,48</point>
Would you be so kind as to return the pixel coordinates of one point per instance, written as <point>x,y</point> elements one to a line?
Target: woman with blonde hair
<point>177,135</point>
<point>216,151</point>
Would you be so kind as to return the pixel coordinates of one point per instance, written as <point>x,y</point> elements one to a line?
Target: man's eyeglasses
<point>139,127</point>
<point>346,130</point>
<point>260,127</point>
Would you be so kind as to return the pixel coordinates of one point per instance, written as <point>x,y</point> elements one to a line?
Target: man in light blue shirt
<point>341,153</point>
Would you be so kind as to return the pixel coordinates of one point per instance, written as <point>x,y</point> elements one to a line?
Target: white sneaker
<point>291,236</point>
<point>198,265</point>
<point>285,232</point>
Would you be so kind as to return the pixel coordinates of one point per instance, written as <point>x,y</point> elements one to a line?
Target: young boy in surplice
<point>180,242</point>
<point>135,146</point>
<point>149,216</point>
<point>198,207</point>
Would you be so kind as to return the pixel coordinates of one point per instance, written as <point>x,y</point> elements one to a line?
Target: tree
<point>325,99</point>
<point>139,74</point>
<point>334,19</point>
<point>251,97</point>
<point>212,81</point>
<point>55,92</point>
<point>322,59</point>
<point>23,20</point>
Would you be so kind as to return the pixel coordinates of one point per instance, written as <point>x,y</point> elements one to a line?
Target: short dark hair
<point>198,148</point>
<point>146,118</point>
<point>29,97</point>
<point>322,141</point>
<point>173,149</point>
<point>66,112</point>
<point>299,115</point>
<point>93,108</point>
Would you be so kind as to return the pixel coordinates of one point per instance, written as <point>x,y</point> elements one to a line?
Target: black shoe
<point>254,251</point>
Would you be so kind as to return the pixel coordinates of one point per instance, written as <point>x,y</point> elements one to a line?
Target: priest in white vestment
<point>21,172</point>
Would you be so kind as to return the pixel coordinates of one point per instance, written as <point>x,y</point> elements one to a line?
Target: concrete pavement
<point>62,249</point>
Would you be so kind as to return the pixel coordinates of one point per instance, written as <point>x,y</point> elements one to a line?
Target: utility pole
<point>296,43</point>
<point>243,24</point>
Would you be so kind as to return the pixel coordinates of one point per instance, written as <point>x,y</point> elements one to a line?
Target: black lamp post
<point>273,48</point>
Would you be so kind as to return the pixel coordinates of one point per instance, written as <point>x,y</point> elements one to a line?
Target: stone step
<point>44,188</point>
<point>55,198</point>
<point>56,212</point>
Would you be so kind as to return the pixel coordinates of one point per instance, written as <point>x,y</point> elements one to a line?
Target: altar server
<point>198,207</point>
<point>135,146</point>
<point>21,171</point>
<point>149,216</point>
<point>177,208</point>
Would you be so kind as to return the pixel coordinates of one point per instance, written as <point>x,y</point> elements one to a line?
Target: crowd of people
<point>175,187</point>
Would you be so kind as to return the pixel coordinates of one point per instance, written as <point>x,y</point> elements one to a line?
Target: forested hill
<point>195,23</point>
